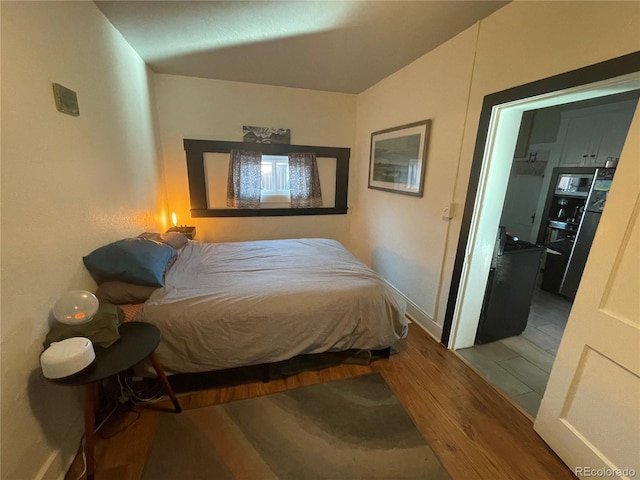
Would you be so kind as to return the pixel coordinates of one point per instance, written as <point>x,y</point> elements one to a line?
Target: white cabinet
<point>581,141</point>
<point>538,130</point>
<point>613,135</point>
<point>522,144</point>
<point>590,136</point>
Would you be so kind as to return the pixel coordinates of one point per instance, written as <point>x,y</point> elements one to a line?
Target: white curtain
<point>304,181</point>
<point>243,185</point>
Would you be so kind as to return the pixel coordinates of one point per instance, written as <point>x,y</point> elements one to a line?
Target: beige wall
<point>400,236</point>
<point>69,185</point>
<point>405,238</point>
<point>216,110</point>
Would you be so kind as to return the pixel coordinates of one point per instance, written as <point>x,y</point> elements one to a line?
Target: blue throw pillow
<point>133,260</point>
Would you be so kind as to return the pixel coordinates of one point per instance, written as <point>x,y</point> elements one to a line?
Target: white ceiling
<point>338,46</point>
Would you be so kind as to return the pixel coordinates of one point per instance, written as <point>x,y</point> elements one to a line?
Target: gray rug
<point>347,429</point>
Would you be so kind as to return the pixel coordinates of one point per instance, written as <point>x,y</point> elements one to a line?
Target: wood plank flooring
<point>473,429</point>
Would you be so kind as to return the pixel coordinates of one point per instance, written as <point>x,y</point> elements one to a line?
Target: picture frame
<point>398,158</point>
<point>266,135</point>
<point>66,100</point>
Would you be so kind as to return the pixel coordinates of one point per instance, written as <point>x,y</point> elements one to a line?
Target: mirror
<point>208,166</point>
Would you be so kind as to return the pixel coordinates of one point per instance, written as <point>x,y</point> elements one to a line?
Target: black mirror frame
<point>195,150</point>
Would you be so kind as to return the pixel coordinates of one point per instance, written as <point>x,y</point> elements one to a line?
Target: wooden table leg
<point>89,427</point>
<point>157,366</point>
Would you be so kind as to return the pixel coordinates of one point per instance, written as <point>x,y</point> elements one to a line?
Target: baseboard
<point>418,316</point>
<point>51,469</point>
<point>58,463</point>
<point>424,321</point>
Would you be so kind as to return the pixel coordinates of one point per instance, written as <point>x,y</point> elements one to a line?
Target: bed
<point>225,305</point>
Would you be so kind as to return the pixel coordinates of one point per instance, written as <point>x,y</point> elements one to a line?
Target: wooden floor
<point>474,431</point>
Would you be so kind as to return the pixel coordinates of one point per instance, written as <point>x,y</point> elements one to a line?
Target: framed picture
<point>66,100</point>
<point>266,135</point>
<point>398,158</point>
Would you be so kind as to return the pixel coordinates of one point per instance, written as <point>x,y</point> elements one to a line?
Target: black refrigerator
<point>586,231</point>
<point>510,287</point>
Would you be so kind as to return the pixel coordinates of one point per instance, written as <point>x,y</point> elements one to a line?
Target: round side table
<point>138,340</point>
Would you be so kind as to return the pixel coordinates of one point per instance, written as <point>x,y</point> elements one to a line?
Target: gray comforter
<point>235,304</point>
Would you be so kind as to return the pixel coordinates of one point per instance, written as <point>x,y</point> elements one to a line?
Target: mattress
<point>227,305</point>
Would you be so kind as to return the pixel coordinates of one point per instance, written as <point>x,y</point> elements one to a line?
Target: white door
<point>590,413</point>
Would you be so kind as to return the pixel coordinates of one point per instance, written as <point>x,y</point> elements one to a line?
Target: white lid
<point>67,357</point>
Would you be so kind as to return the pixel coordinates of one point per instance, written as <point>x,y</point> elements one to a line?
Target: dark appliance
<point>563,213</point>
<point>512,280</point>
<point>586,231</point>
<point>564,205</point>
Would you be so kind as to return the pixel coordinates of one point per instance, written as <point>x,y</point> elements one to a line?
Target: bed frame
<point>265,372</point>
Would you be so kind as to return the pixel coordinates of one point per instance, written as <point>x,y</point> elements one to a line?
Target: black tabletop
<point>137,341</point>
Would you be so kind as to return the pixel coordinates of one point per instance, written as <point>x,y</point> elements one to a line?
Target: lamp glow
<point>174,219</point>
<point>76,307</point>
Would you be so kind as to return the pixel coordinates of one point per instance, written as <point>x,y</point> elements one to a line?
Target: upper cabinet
<point>591,136</point>
<point>538,130</point>
<point>522,144</point>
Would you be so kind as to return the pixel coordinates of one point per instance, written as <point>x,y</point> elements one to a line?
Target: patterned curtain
<point>304,181</point>
<point>243,184</point>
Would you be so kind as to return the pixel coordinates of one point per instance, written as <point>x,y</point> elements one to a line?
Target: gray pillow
<point>118,293</point>
<point>174,239</point>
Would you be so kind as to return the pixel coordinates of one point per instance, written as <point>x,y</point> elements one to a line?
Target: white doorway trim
<point>492,186</point>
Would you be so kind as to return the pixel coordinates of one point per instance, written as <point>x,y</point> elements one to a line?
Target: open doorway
<point>547,235</point>
<point>493,159</point>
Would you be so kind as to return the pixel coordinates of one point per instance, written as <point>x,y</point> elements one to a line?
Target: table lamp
<point>75,307</point>
<point>187,231</point>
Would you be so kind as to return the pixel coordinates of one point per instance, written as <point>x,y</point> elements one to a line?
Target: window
<point>274,186</point>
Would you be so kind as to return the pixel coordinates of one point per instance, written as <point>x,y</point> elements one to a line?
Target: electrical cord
<point>127,393</point>
<point>95,430</point>
<point>84,458</point>
<point>138,395</point>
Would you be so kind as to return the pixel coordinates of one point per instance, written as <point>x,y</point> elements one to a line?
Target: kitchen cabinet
<point>581,141</point>
<point>522,143</point>
<point>591,136</point>
<point>538,131</point>
<point>512,280</point>
<point>555,264</point>
<point>613,136</point>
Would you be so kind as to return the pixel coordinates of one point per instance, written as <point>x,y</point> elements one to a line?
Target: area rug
<point>346,429</point>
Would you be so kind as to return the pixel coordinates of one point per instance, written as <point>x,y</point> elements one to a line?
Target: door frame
<point>495,143</point>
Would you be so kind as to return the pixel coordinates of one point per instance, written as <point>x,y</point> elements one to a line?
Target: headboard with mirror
<point>208,168</point>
